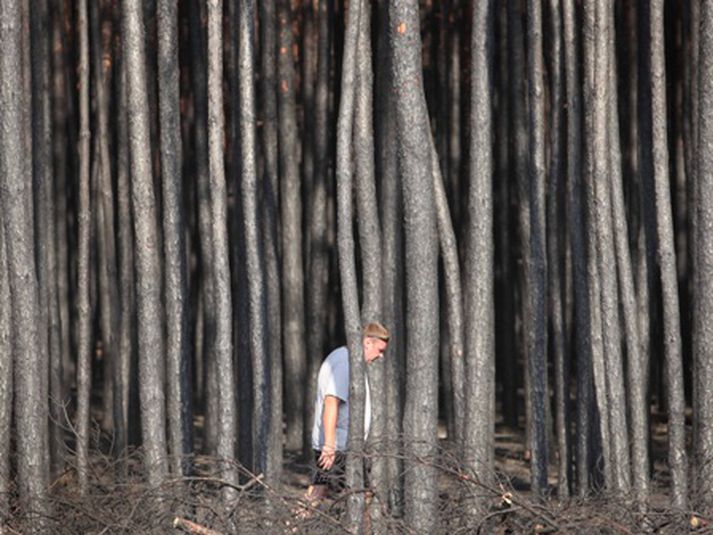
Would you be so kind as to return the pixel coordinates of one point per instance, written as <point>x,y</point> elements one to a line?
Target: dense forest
<point>200,199</point>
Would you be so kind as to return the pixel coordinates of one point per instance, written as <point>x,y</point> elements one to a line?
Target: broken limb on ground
<point>194,504</point>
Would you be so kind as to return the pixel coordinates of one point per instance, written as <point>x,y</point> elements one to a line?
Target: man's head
<point>376,338</point>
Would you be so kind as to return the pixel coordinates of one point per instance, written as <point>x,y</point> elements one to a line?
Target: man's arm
<point>329,424</point>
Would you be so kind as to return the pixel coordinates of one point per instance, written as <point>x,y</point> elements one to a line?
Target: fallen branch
<point>255,479</point>
<point>192,527</point>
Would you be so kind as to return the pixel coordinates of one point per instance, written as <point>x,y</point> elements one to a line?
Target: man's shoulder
<point>336,362</point>
<point>338,356</point>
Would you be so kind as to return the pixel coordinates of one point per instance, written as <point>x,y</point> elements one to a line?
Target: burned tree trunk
<point>347,268</point>
<point>6,370</point>
<point>146,248</point>
<point>291,230</point>
<point>479,425</point>
<point>84,218</point>
<point>270,216</point>
<point>318,261</point>
<point>178,395</point>
<point>537,363</point>
<point>220,271</point>
<point>667,262</point>
<point>30,403</point>
<point>703,304</point>
<point>421,259</point>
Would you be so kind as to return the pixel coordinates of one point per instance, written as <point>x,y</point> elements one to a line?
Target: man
<point>331,411</point>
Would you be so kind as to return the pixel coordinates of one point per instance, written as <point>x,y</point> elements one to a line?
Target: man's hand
<point>326,458</point>
<point>329,423</point>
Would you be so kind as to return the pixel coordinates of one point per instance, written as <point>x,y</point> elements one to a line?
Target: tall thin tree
<point>537,364</point>
<point>84,218</point>
<point>43,175</point>
<point>267,446</point>
<point>421,258</point>
<point>637,405</point>
<point>703,303</point>
<point>555,279</point>
<point>347,267</point>
<point>317,263</point>
<point>107,294</point>
<point>270,216</point>
<point>518,138</point>
<point>205,353</point>
<point>387,478</point>
<point>368,217</point>
<point>601,181</point>
<point>178,396</point>
<point>505,342</point>
<point>61,368</point>
<point>479,425</point>
<point>30,402</point>
<point>667,262</point>
<point>448,245</point>
<point>220,273</point>
<point>125,358</point>
<point>146,249</point>
<point>291,228</point>
<point>369,232</point>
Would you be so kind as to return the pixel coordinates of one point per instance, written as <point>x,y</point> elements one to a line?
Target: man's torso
<point>333,380</point>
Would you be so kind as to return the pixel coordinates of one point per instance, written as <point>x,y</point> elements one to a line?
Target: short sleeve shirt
<point>333,380</point>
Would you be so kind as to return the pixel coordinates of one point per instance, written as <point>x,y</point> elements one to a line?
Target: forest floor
<point>205,504</point>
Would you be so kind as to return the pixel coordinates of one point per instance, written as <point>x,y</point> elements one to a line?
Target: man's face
<point>373,348</point>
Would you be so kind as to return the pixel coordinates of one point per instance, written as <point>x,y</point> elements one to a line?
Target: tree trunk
<point>178,394</point>
<point>479,309</point>
<point>454,167</point>
<point>43,178</point>
<point>692,117</point>
<point>267,446</point>
<point>84,219</point>
<point>505,342</point>
<point>307,80</point>
<point>421,260</point>
<point>648,305</point>
<point>454,301</point>
<point>6,370</point>
<point>270,205</point>
<point>601,165</point>
<point>318,268</point>
<point>220,273</point>
<point>368,217</point>
<point>577,245</point>
<point>104,221</point>
<point>537,369</point>
<point>60,373</point>
<point>691,106</point>
<point>146,245</point>
<point>667,262</point>
<point>291,230</point>
<point>369,238</point>
<point>347,269</point>
<point>555,281</point>
<point>126,357</point>
<point>703,304</point>
<point>16,201</point>
<point>518,138</point>
<point>385,476</point>
<point>243,360</point>
<point>638,359</point>
<point>594,282</point>
<point>206,351</point>
<point>637,404</point>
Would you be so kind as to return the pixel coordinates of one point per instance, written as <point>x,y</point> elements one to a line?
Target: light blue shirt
<point>333,380</point>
